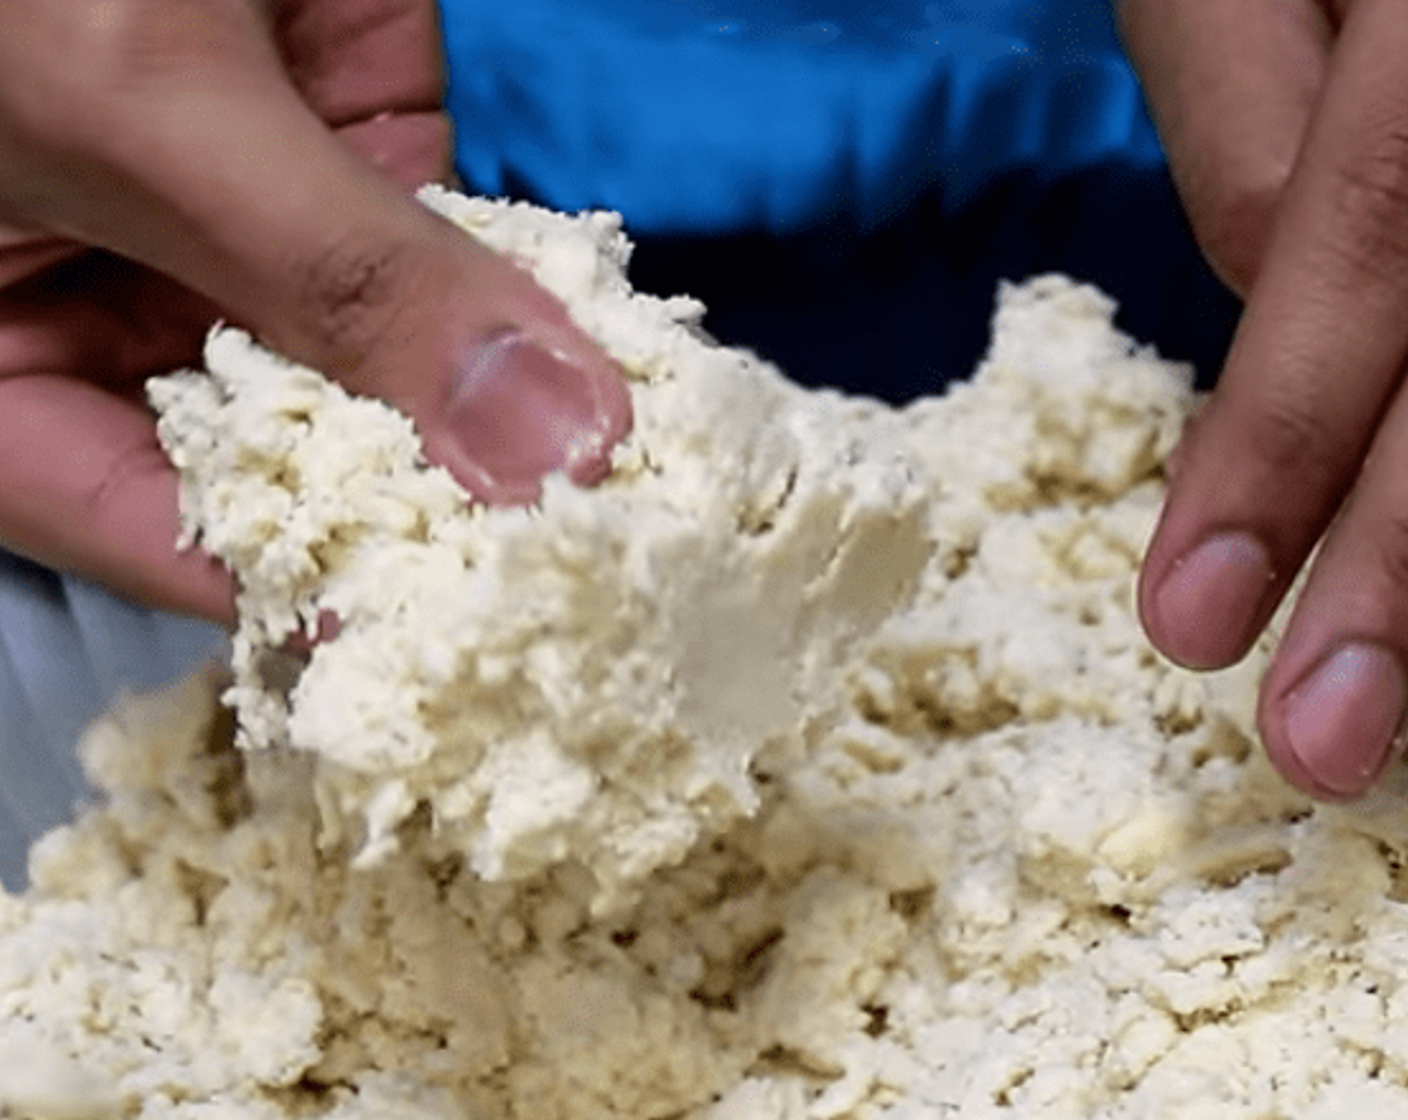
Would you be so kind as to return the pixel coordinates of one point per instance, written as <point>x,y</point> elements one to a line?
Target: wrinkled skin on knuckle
<point>1288,438</point>
<point>351,295</point>
<point>1391,555</point>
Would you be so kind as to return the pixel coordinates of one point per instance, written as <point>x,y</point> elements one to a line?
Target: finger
<point>1334,700</point>
<point>205,163</point>
<point>1316,357</point>
<point>375,71</point>
<point>93,311</point>
<point>353,60</point>
<point>87,488</point>
<point>24,253</point>
<point>410,148</point>
<point>1231,88</point>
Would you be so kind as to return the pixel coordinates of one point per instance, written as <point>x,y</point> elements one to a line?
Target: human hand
<point>1286,123</point>
<point>164,163</point>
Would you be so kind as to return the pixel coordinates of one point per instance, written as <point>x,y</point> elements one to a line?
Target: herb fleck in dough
<point>813,767</point>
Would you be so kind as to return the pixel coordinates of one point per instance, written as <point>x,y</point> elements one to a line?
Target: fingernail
<point>1343,722</point>
<point>520,411</point>
<point>1210,603</point>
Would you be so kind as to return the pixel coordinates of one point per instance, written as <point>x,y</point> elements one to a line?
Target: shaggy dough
<point>811,768</point>
<point>593,678</point>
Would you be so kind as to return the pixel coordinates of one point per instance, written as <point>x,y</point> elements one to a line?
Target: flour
<point>812,767</point>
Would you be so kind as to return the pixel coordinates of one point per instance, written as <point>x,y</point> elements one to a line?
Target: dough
<point>813,767</point>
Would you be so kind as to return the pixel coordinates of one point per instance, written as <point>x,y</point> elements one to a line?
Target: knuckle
<point>1289,437</point>
<point>1368,193</point>
<point>1392,551</point>
<point>350,296</point>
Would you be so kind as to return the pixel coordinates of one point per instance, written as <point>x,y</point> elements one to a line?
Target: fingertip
<point>198,585</point>
<point>1271,727</point>
<point>515,409</point>
<point>1336,729</point>
<point>1205,608</point>
<point>615,416</point>
<point>87,489</point>
<point>132,546</point>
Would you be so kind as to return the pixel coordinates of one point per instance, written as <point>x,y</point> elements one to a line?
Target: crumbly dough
<point>813,767</point>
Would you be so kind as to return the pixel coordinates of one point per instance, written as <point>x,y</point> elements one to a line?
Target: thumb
<point>201,160</point>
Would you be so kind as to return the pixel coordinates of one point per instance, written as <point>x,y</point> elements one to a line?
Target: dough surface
<point>813,767</point>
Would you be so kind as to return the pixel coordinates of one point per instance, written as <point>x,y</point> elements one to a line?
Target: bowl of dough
<point>813,765</point>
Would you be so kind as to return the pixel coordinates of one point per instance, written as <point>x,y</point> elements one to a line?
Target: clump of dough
<point>593,679</point>
<point>812,768</point>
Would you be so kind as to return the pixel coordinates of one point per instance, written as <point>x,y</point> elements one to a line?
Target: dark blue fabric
<point>698,116</point>
<point>842,182</point>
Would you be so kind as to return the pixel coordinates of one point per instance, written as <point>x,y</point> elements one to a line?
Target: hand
<point>1286,123</point>
<point>164,163</point>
